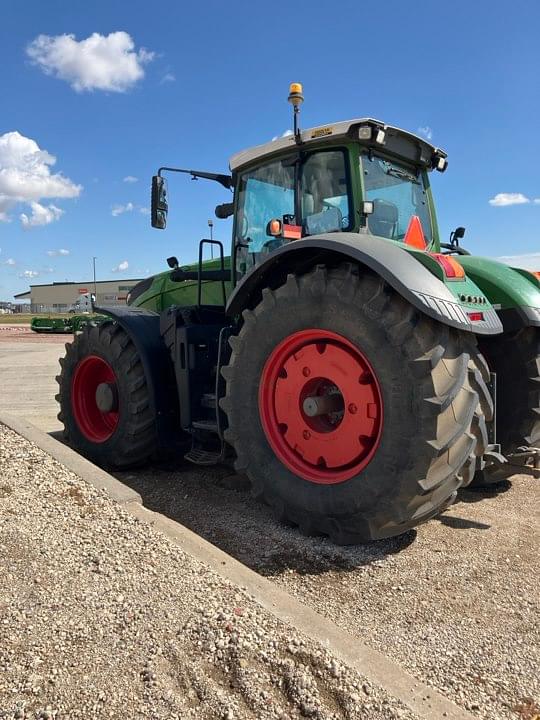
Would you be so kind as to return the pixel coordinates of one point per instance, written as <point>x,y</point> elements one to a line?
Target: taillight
<point>452,269</point>
<point>475,316</point>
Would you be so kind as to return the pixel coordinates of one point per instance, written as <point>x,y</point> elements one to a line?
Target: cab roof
<point>396,142</point>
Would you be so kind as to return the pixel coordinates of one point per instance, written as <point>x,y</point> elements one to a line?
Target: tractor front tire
<point>104,398</point>
<point>350,412</point>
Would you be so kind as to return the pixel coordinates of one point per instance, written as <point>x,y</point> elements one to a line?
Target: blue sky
<point>189,84</point>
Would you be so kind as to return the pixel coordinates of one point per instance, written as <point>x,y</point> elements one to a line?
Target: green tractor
<point>355,368</point>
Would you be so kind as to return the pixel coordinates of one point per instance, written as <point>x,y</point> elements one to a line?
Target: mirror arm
<point>225,180</point>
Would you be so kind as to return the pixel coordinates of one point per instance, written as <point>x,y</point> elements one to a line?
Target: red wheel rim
<point>308,366</point>
<point>96,425</point>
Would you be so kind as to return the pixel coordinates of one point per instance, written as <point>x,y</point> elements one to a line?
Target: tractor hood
<point>159,292</point>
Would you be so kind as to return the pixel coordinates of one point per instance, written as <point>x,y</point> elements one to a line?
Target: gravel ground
<point>101,616</point>
<point>455,602</point>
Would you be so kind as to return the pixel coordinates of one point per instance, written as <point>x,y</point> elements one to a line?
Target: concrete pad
<point>27,379</point>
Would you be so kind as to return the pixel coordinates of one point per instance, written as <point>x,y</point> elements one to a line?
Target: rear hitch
<point>527,458</point>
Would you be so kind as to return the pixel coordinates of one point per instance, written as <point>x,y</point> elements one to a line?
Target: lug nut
<point>352,408</point>
<point>306,372</point>
<point>306,434</point>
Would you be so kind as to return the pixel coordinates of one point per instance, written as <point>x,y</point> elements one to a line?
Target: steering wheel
<point>454,249</point>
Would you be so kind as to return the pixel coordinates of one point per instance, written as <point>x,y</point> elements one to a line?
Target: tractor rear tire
<point>415,375</point>
<point>515,358</point>
<point>122,432</point>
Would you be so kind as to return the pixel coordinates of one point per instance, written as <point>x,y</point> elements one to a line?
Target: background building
<point>60,296</point>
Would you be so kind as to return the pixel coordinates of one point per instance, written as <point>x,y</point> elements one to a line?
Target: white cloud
<point>121,267</point>
<point>41,215</point>
<point>504,199</point>
<point>100,62</point>
<point>167,78</point>
<point>29,274</point>
<point>287,133</point>
<point>536,201</point>
<point>54,253</point>
<point>131,179</point>
<point>121,209</point>
<point>425,132</point>
<point>10,261</point>
<point>144,210</point>
<point>25,174</point>
<point>529,261</point>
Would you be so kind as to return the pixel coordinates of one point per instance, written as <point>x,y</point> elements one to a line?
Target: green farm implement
<point>69,325</point>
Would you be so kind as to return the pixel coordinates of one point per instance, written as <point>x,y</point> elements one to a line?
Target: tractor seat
<point>384,219</point>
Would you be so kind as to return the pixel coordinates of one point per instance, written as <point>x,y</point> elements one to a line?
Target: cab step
<point>208,425</point>
<point>198,456</point>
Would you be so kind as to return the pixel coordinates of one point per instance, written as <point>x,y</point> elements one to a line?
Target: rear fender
<point>396,266</point>
<point>514,293</point>
<point>142,326</point>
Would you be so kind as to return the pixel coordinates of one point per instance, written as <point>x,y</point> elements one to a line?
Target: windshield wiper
<point>402,174</point>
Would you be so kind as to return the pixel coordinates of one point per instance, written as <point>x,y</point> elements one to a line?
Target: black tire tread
<point>515,358</point>
<point>446,378</point>
<point>135,441</point>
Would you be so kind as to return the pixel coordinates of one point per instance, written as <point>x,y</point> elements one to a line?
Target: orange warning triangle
<point>415,235</point>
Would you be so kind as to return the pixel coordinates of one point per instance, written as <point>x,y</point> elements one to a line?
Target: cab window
<point>398,193</point>
<point>265,193</point>
<point>325,196</point>
<point>269,192</point>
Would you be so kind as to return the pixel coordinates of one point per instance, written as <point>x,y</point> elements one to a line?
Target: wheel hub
<point>321,406</point>
<point>107,397</point>
<point>94,398</point>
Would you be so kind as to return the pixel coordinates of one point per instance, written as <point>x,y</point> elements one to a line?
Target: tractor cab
<point>335,186</point>
<point>355,176</point>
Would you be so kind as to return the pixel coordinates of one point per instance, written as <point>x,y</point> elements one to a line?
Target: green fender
<point>515,293</point>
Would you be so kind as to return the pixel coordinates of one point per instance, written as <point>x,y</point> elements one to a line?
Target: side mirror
<point>172,262</point>
<point>224,210</point>
<point>159,206</point>
<point>456,235</point>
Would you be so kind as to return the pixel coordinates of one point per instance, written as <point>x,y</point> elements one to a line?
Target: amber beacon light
<point>296,98</point>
